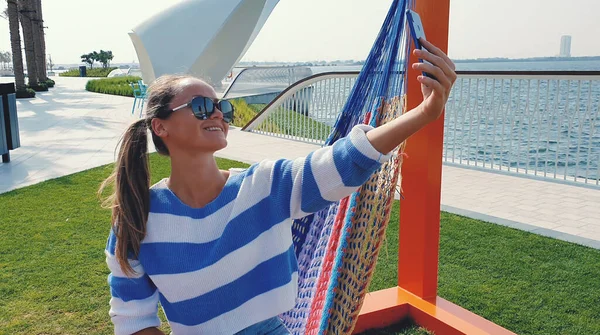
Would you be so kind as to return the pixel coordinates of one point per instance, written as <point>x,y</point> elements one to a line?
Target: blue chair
<point>137,94</point>
<point>143,94</point>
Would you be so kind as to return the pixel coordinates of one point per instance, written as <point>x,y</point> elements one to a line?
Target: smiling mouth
<point>213,129</point>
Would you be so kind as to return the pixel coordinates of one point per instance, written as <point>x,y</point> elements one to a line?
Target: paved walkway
<point>68,130</point>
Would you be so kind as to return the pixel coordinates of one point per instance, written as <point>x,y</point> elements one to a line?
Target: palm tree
<point>15,44</point>
<point>105,57</point>
<point>28,39</point>
<point>95,56</point>
<point>109,57</point>
<point>42,35</point>
<point>39,40</point>
<point>7,58</point>
<point>50,63</point>
<point>88,58</point>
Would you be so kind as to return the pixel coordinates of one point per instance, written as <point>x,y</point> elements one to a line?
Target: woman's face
<point>184,132</point>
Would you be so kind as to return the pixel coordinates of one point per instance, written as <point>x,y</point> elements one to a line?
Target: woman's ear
<point>158,127</point>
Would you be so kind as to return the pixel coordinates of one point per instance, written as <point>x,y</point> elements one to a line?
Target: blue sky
<point>303,30</point>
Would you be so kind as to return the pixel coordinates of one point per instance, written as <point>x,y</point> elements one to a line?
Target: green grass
<point>95,72</point>
<point>407,327</point>
<point>527,283</point>
<point>282,121</point>
<point>52,268</point>
<point>289,122</point>
<point>53,273</point>
<point>114,86</point>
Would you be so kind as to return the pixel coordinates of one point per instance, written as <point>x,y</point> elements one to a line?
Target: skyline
<point>478,29</point>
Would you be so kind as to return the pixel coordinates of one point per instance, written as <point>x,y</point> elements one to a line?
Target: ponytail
<point>130,202</point>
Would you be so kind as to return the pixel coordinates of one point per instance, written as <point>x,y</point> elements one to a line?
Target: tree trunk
<point>15,44</point>
<point>43,36</point>
<point>37,42</point>
<point>38,27</point>
<point>26,15</point>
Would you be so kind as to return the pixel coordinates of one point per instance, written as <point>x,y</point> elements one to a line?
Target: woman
<point>214,248</point>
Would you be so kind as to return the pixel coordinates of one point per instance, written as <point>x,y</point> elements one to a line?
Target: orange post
<point>416,294</point>
<point>422,171</point>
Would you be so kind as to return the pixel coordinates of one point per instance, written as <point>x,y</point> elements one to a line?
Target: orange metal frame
<point>416,293</point>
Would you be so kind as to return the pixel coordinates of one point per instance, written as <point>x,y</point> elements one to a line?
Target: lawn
<point>407,327</point>
<point>53,274</point>
<point>282,121</point>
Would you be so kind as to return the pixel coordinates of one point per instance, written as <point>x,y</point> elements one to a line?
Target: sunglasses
<point>204,107</point>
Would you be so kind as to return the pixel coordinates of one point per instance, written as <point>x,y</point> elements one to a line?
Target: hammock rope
<point>337,247</point>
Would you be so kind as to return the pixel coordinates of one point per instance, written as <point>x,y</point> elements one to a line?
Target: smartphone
<point>417,32</point>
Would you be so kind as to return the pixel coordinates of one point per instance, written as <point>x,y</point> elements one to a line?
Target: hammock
<point>337,247</point>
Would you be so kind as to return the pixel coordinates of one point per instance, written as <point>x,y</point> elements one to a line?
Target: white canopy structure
<point>117,73</point>
<point>204,38</point>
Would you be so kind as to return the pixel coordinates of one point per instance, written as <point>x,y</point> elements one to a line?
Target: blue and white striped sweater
<point>231,264</point>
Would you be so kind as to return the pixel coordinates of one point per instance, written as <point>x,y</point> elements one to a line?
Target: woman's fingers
<point>440,75</point>
<point>432,84</point>
<point>437,61</point>
<point>438,52</point>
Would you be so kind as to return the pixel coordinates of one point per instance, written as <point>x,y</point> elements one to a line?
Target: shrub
<point>97,72</point>
<point>40,87</point>
<point>70,73</point>
<point>243,114</point>
<point>25,93</point>
<point>50,82</point>
<point>114,86</point>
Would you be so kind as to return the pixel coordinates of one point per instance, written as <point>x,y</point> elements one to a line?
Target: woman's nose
<point>217,114</point>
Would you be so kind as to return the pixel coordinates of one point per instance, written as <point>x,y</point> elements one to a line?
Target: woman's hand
<point>435,92</point>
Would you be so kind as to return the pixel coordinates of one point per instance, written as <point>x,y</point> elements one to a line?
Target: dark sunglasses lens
<point>202,106</point>
<point>226,108</point>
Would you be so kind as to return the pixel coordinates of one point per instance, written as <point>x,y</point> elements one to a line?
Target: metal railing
<point>542,124</point>
<point>307,110</point>
<point>539,124</point>
<point>265,79</point>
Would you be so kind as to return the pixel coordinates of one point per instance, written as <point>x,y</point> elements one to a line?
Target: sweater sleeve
<point>134,298</point>
<point>327,174</point>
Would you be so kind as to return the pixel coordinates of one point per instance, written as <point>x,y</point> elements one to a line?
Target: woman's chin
<point>223,145</point>
<point>216,145</point>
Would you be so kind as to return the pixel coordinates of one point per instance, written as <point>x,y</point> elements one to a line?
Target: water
<point>565,65</point>
<point>546,126</point>
<point>585,65</point>
<point>549,127</point>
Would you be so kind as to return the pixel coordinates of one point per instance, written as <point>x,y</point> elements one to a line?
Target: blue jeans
<point>272,326</point>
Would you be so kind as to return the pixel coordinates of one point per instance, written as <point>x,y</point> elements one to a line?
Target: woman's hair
<point>130,201</point>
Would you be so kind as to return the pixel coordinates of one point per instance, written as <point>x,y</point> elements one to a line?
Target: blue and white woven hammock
<point>337,247</point>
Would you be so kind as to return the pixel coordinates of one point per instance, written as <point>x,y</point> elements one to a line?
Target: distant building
<point>565,46</point>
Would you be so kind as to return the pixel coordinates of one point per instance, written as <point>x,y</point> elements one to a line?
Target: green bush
<point>50,82</point>
<point>243,114</point>
<point>97,72</point>
<point>25,93</point>
<point>40,87</point>
<point>70,73</point>
<point>114,86</point>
